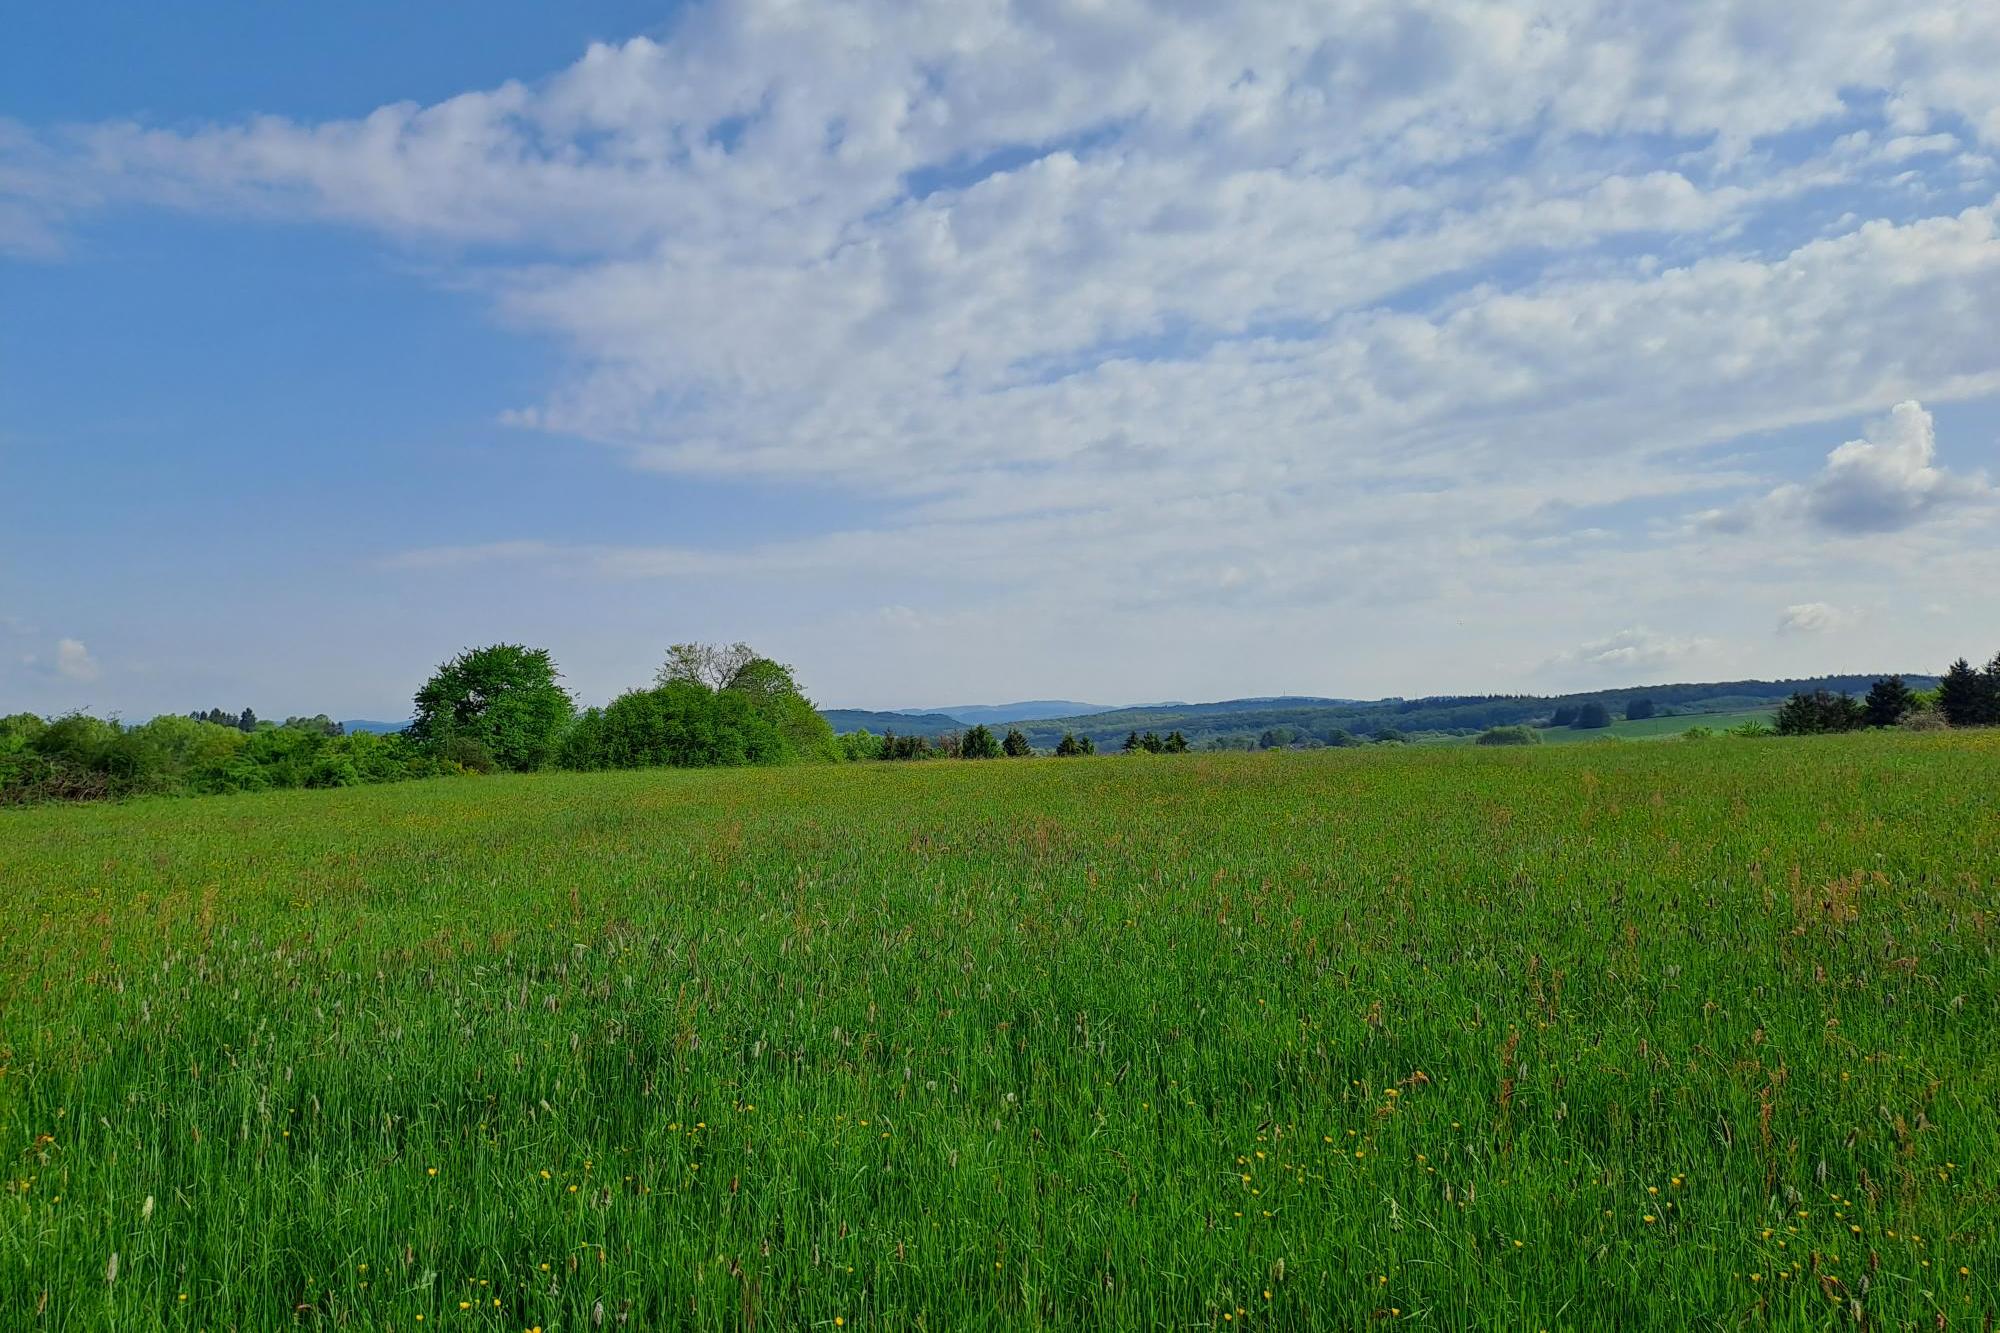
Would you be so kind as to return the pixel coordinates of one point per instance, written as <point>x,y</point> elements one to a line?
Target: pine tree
<point>1964,696</point>
<point>1175,743</point>
<point>1132,743</point>
<point>1085,745</point>
<point>248,721</point>
<point>1067,746</point>
<point>1888,699</point>
<point>1016,746</point>
<point>978,744</point>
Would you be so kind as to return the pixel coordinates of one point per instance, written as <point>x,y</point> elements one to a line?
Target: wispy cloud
<point>1329,309</point>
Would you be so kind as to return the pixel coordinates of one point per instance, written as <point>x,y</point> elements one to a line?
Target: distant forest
<point>1244,724</point>
<point>502,708</point>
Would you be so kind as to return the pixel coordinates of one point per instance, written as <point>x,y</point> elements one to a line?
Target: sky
<point>980,351</point>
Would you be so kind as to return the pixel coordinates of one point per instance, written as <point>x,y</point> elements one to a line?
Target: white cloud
<point>1887,481</point>
<point>1349,307</point>
<point>74,662</point>
<point>1629,653</point>
<point>1813,618</point>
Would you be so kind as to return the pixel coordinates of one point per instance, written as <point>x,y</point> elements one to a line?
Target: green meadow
<point>1656,728</point>
<point>1688,1035</point>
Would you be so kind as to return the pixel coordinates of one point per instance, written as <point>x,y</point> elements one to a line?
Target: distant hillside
<point>1308,720</point>
<point>379,728</point>
<point>994,714</point>
<point>903,724</point>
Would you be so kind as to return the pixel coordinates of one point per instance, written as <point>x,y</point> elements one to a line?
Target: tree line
<point>503,708</point>
<point>1966,696</point>
<point>500,708</point>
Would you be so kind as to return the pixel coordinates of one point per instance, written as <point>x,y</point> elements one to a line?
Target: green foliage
<point>712,665</point>
<point>856,745</point>
<point>773,693</point>
<point>681,724</point>
<point>1509,736</point>
<point>1016,746</point>
<point>1067,747</point>
<point>1819,713</point>
<point>1591,716</point>
<point>1969,698</point>
<point>906,747</point>
<point>1888,700</point>
<point>505,697</point>
<point>1698,733</point>
<point>1472,1011</point>
<point>82,758</point>
<point>978,743</point>
<point>1638,710</point>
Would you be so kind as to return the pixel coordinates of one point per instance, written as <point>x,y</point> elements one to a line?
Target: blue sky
<point>993,351</point>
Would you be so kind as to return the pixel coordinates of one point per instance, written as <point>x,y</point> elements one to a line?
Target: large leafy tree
<point>1591,716</point>
<point>773,692</point>
<point>503,698</point>
<point>712,664</point>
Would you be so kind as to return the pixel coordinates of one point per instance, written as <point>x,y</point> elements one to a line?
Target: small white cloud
<point>1813,618</point>
<point>74,662</point>
<point>1637,648</point>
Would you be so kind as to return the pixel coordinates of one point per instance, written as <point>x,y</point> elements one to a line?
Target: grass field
<point>1656,728</point>
<point>1699,1035</point>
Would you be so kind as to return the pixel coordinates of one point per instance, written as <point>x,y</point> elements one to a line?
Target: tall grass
<point>1665,1036</point>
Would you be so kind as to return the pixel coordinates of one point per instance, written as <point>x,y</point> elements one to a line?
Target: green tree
<point>1509,736</point>
<point>862,744</point>
<point>978,743</point>
<point>1067,746</point>
<point>1819,713</point>
<point>1638,710</point>
<point>1175,743</point>
<point>1967,698</point>
<point>711,664</point>
<point>1085,745</point>
<point>1016,746</point>
<point>1132,744</point>
<point>1591,716</point>
<point>1888,699</point>
<point>504,698</point>
<point>773,691</point>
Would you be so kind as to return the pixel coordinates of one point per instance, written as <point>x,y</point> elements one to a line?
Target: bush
<point>468,753</point>
<point>1698,733</point>
<point>1509,736</point>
